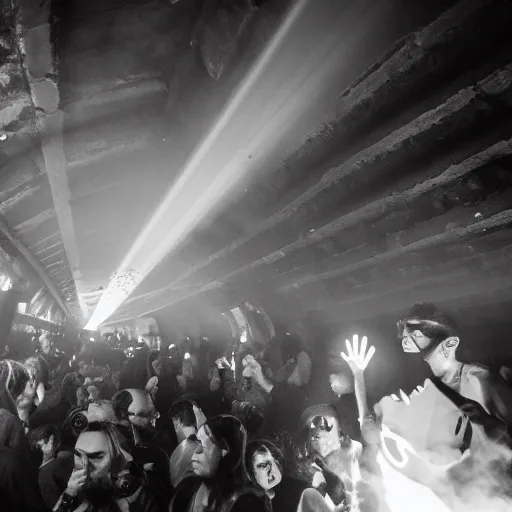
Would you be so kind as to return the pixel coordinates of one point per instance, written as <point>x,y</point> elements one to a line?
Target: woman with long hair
<point>220,482</point>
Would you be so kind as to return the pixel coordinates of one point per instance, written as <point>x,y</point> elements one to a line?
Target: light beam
<point>195,194</point>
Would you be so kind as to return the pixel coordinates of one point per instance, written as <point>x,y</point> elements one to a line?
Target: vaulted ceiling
<point>386,177</point>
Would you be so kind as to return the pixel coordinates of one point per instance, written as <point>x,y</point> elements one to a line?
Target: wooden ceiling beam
<point>38,268</point>
<point>471,26</point>
<point>373,210</point>
<point>40,71</point>
<point>456,234</point>
<point>462,292</point>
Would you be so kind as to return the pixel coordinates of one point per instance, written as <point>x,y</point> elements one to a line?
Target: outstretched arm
<point>358,358</point>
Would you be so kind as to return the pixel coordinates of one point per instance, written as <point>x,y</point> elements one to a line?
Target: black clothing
<point>245,500</point>
<point>54,476</point>
<point>288,494</point>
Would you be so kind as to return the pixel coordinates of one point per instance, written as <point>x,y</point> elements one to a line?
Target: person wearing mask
<point>220,481</point>
<point>429,332</point>
<point>265,466</point>
<point>106,476</point>
<point>332,456</point>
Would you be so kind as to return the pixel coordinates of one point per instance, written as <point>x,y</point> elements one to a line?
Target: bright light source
<point>198,190</point>
<point>22,307</point>
<point>7,285</point>
<point>120,286</point>
<point>91,339</point>
<point>186,356</point>
<point>243,337</point>
<point>172,345</point>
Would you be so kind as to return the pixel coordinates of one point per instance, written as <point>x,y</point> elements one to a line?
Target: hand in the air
<point>76,481</point>
<point>200,417</point>
<point>357,357</point>
<point>152,386</point>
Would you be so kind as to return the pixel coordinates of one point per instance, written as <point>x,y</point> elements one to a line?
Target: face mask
<point>432,330</point>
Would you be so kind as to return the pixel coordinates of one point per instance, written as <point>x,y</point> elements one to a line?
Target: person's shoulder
<point>250,500</point>
<point>477,371</point>
<point>293,485</point>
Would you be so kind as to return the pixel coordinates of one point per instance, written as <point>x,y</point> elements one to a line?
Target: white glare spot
<point>3,136</point>
<point>405,398</point>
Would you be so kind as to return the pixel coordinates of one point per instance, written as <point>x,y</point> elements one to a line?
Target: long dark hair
<point>228,433</point>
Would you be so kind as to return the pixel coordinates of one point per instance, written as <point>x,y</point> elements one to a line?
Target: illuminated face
<point>324,440</point>
<point>206,458</point>
<point>413,340</point>
<point>142,411</point>
<point>266,471</point>
<point>93,453</point>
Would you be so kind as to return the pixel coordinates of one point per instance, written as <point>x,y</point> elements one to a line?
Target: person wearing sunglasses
<point>429,332</point>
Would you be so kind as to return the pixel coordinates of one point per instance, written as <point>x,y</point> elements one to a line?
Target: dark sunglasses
<point>320,423</point>
<point>433,330</point>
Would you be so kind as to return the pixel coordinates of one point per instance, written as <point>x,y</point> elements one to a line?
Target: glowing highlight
<point>184,207</point>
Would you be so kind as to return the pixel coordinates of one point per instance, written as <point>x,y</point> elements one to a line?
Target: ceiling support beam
<point>50,128</point>
<point>498,221</point>
<point>4,229</point>
<point>41,71</point>
<point>363,167</point>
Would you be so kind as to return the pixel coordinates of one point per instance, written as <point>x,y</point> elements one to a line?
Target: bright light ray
<point>158,234</point>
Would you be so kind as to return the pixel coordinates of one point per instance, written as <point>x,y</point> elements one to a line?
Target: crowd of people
<point>156,427</point>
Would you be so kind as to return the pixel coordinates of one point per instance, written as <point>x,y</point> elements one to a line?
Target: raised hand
<point>357,357</point>
<point>76,481</point>
<point>200,417</point>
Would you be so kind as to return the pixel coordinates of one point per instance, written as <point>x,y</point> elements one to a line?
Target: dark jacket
<point>54,476</point>
<point>288,494</point>
<point>245,499</point>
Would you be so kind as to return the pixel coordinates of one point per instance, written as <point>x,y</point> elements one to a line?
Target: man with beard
<point>105,477</point>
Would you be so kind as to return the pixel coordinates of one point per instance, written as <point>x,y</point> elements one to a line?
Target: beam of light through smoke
<point>291,100</point>
<point>212,171</point>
